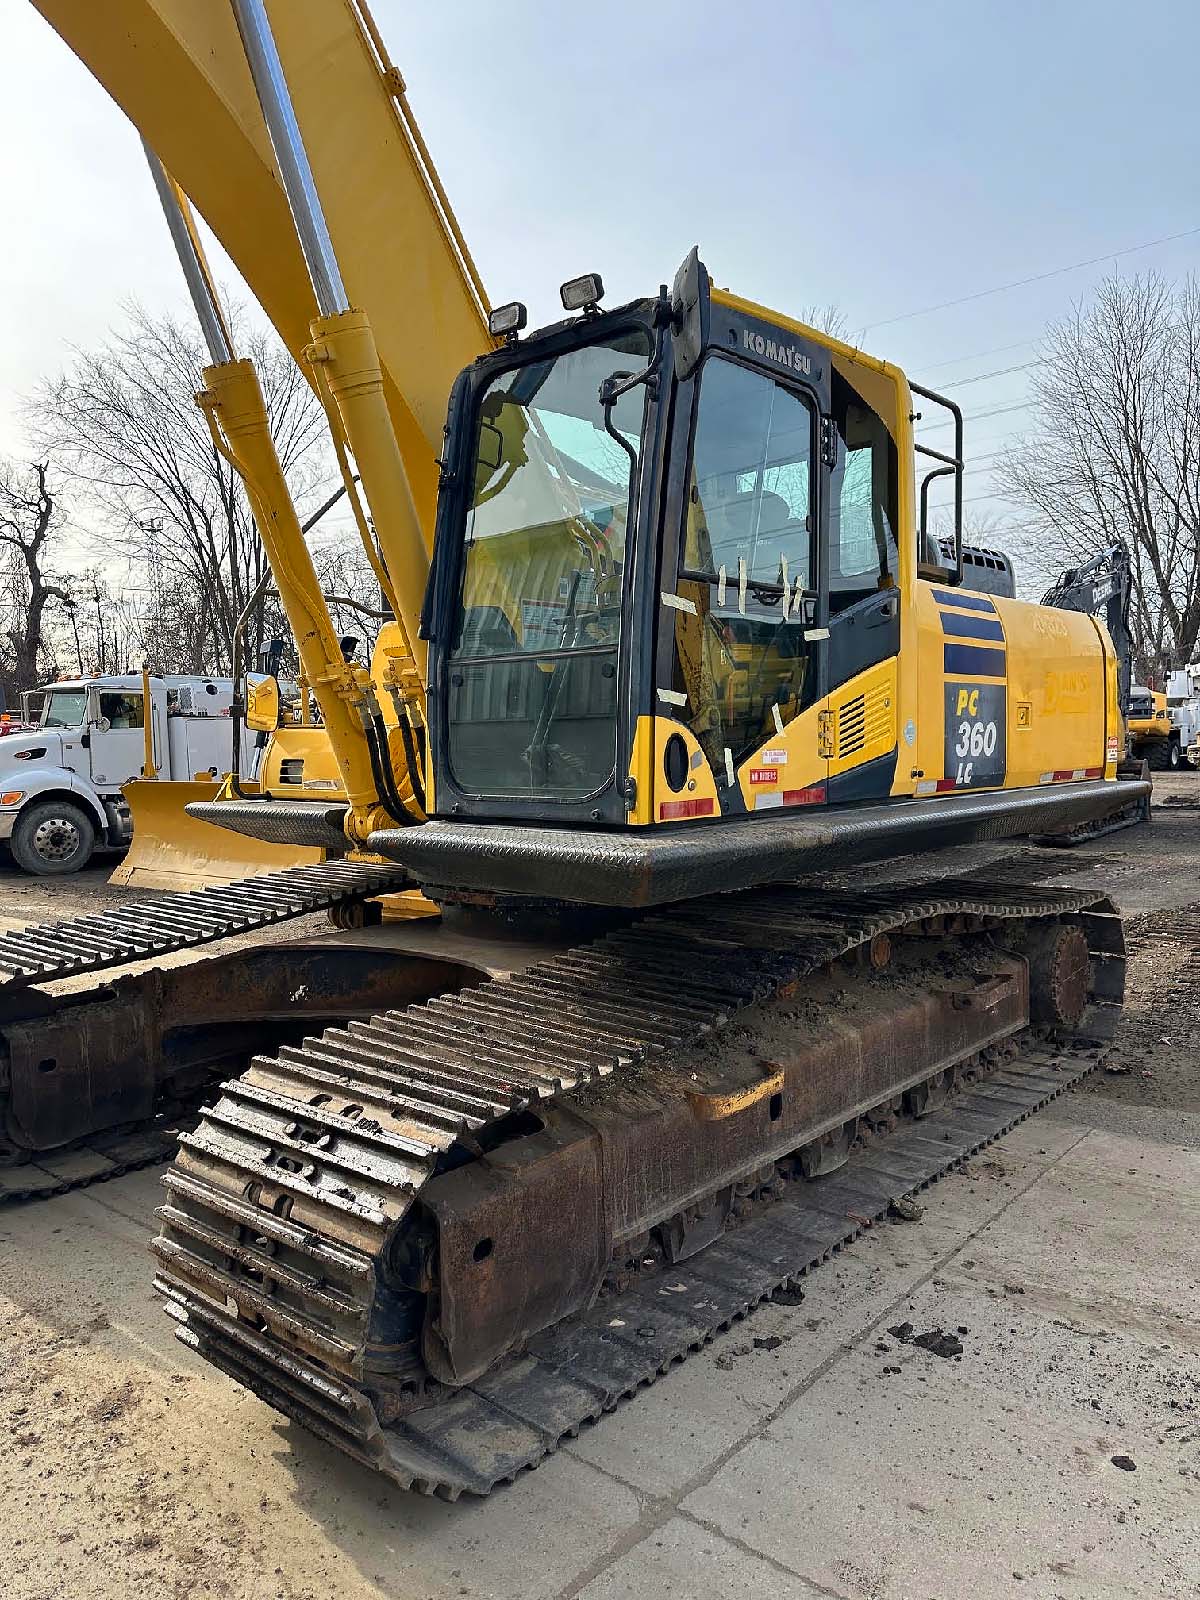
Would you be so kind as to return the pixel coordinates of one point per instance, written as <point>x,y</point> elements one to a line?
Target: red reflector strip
<point>943,784</point>
<point>1073,775</point>
<point>812,796</point>
<point>672,810</point>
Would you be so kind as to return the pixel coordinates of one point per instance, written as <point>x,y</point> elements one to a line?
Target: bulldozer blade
<point>172,850</point>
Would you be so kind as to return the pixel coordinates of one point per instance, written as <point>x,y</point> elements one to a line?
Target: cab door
<point>740,630</point>
<point>117,740</point>
<point>860,736</point>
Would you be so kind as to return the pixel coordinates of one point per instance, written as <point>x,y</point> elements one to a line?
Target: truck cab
<point>1183,708</point>
<point>61,777</point>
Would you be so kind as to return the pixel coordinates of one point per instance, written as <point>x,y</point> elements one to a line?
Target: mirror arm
<point>610,393</point>
<point>619,383</point>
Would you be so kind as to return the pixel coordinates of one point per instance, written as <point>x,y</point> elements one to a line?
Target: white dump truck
<point>61,773</point>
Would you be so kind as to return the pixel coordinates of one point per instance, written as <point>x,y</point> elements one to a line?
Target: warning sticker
<point>763,775</point>
<point>542,623</point>
<point>773,758</point>
<point>1113,748</point>
<point>975,735</point>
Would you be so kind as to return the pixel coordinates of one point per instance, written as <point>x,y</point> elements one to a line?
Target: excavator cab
<point>659,548</point>
<point>688,628</point>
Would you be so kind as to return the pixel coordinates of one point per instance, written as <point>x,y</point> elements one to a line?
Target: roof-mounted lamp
<point>582,294</point>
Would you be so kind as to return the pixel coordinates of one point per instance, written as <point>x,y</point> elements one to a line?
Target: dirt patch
<point>1155,1060</point>
<point>115,1403</point>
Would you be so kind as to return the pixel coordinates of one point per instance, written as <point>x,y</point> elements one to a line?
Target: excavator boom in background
<point>673,652</point>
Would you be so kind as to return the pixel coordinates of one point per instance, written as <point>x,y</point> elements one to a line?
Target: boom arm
<point>179,71</point>
<point>1103,585</point>
<point>290,128</point>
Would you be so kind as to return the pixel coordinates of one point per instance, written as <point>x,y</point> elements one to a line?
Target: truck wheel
<point>1157,754</point>
<point>53,837</point>
<point>1175,758</point>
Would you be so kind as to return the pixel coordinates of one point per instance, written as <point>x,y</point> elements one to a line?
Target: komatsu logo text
<point>787,355</point>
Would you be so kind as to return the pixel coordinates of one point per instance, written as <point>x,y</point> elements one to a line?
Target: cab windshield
<point>533,678</point>
<point>64,708</point>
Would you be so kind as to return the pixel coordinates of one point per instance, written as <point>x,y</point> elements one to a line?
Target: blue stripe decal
<point>969,602</point>
<point>971,662</point>
<point>972,627</point>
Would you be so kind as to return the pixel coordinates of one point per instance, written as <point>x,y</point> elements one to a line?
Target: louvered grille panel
<point>864,721</point>
<point>852,718</point>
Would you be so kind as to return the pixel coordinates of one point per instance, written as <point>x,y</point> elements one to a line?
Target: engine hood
<point>26,750</point>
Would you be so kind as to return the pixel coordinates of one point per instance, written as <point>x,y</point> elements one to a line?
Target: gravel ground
<point>811,1452</point>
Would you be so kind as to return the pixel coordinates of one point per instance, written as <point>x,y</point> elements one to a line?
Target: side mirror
<point>101,725</point>
<point>689,314</point>
<point>262,703</point>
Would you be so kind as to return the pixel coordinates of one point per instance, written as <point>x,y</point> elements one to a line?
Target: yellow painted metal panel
<point>698,798</point>
<point>319,770</point>
<point>1056,666</point>
<point>177,69</point>
<point>641,770</point>
<point>787,762</point>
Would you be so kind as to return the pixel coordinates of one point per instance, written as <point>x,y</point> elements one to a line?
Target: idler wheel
<point>1059,975</point>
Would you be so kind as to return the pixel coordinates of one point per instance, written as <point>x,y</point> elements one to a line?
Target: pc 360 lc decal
<point>975,735</point>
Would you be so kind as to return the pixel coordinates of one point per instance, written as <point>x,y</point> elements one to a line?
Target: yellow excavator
<point>679,717</point>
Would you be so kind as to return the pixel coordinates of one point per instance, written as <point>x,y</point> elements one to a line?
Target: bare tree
<point>1115,454</point>
<point>351,589</point>
<point>30,519</point>
<point>830,319</point>
<point>124,424</point>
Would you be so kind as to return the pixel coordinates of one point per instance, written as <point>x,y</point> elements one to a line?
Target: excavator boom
<point>179,71</point>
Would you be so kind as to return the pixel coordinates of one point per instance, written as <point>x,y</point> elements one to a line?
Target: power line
<point>1037,277</point>
<point>978,416</point>
<point>999,372</point>
<point>978,355</point>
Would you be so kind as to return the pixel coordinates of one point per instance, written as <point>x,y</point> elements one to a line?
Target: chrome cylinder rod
<point>275,99</point>
<point>203,295</point>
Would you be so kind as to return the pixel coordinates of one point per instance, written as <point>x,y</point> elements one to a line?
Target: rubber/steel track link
<point>284,1201</point>
<point>160,926</point>
<point>105,1156</point>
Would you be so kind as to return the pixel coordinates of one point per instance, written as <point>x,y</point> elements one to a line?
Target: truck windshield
<point>533,686</point>
<point>64,708</point>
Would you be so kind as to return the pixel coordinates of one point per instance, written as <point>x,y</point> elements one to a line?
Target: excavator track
<point>168,923</point>
<point>94,1084</point>
<point>108,1155</point>
<point>281,1254</point>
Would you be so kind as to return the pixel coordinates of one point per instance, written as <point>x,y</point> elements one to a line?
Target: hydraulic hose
<point>375,732</point>
<point>414,765</point>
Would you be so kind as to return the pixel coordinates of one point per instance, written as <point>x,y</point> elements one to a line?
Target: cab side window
<point>122,710</point>
<point>863,555</point>
<point>752,482</point>
<point>748,556</point>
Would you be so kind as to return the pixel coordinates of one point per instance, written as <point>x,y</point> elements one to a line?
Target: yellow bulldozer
<point>680,708</point>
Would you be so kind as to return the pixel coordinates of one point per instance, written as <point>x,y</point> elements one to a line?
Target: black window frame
<point>809,398</point>
<point>607,803</point>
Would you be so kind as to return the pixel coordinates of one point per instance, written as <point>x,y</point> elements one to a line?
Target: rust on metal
<point>715,1106</point>
<point>452,1194</point>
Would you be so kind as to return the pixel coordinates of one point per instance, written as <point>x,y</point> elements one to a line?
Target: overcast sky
<point>885,157</point>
